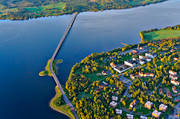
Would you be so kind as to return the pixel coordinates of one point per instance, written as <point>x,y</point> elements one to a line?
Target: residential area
<point>137,81</point>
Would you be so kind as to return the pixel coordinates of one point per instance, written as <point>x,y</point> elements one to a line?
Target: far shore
<point>29,17</point>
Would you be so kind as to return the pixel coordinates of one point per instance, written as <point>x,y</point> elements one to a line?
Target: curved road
<point>51,67</point>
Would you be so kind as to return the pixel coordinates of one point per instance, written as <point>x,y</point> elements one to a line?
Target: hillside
<point>25,9</point>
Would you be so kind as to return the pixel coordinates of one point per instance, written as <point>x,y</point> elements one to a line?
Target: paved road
<point>51,66</point>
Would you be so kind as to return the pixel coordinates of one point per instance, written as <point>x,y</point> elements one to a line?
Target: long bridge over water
<point>51,67</point>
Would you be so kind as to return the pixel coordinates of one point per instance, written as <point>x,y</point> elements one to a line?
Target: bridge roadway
<point>51,66</point>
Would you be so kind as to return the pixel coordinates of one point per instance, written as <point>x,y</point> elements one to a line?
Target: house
<point>168,93</point>
<point>148,105</point>
<point>116,69</point>
<point>173,77</point>
<point>141,62</point>
<point>172,72</point>
<point>149,55</point>
<point>156,114</point>
<point>114,98</point>
<point>141,57</point>
<point>132,103</point>
<point>148,75</point>
<point>176,83</point>
<point>129,116</point>
<point>172,50</point>
<point>163,107</point>
<point>134,59</point>
<point>112,65</point>
<point>113,104</point>
<point>160,91</point>
<point>132,77</point>
<point>104,73</point>
<point>141,48</point>
<point>174,89</point>
<point>134,51</point>
<point>118,111</point>
<point>141,74</point>
<point>148,59</point>
<point>143,117</point>
<point>130,63</point>
<point>175,58</point>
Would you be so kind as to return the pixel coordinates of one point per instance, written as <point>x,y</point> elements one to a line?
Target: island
<point>26,9</point>
<point>135,81</point>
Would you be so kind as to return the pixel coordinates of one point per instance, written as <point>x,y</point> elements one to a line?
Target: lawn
<point>59,6</point>
<point>161,34</point>
<point>93,77</point>
<point>46,8</point>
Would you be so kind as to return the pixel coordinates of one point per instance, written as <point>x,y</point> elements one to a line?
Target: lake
<point>26,46</point>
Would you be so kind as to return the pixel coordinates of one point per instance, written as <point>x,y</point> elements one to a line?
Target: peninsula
<point>135,81</point>
<point>26,9</point>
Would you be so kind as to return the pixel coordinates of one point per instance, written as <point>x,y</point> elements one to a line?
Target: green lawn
<point>59,5</point>
<point>161,34</point>
<point>46,8</point>
<point>93,77</point>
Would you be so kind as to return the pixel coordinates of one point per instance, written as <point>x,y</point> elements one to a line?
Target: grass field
<point>161,34</point>
<point>64,109</point>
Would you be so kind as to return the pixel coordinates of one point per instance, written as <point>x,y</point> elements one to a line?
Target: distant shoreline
<point>30,15</point>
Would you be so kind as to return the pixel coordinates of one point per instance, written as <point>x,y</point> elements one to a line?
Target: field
<point>26,9</point>
<point>161,34</point>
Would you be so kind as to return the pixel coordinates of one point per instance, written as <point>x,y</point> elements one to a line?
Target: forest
<point>27,9</point>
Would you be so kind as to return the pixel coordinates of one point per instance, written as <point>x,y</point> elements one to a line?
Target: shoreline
<point>71,13</point>
<point>59,110</point>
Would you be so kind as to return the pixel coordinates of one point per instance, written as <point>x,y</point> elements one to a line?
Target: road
<point>51,65</point>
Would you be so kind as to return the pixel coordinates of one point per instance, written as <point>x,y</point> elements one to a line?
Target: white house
<point>148,59</point>
<point>116,69</point>
<point>114,98</point>
<point>113,104</point>
<point>129,116</point>
<point>176,83</point>
<point>163,107</point>
<point>128,63</point>
<point>172,72</point>
<point>149,55</point>
<point>141,57</point>
<point>118,111</point>
<point>173,77</point>
<point>141,62</point>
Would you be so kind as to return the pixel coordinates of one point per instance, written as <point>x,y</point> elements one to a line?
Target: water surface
<point>25,47</point>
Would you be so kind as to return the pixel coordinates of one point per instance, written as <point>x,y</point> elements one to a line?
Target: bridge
<point>51,66</point>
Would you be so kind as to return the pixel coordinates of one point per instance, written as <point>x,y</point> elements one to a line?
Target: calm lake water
<point>25,47</point>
